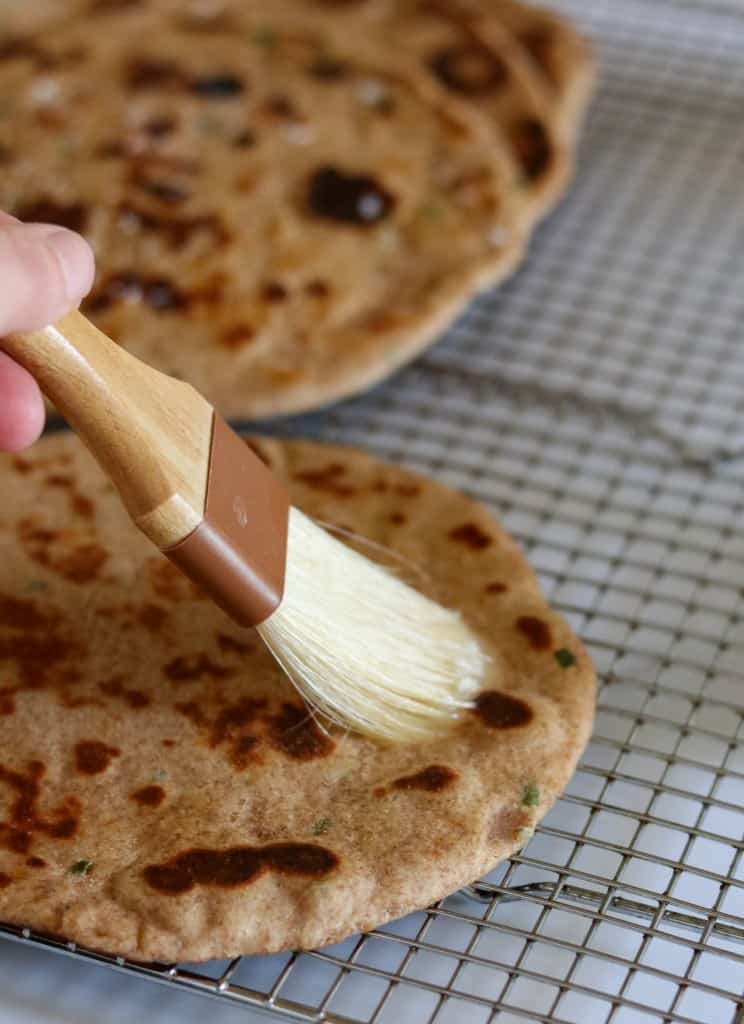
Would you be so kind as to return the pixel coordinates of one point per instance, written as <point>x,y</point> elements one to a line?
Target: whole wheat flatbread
<point>163,794</point>
<point>280,215</point>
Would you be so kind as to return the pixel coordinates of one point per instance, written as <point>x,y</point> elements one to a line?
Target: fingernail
<point>75,259</point>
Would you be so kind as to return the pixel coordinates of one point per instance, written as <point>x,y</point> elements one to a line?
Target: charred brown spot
<point>22,48</point>
<point>294,733</point>
<point>21,465</point>
<point>115,687</point>
<point>152,616</point>
<point>238,335</point>
<point>239,865</point>
<point>470,69</point>
<point>244,140</point>
<point>532,147</point>
<point>433,779</point>
<point>48,211</point>
<point>188,667</point>
<point>168,743</point>
<point>536,630</point>
<point>82,506</point>
<point>93,757</point>
<point>36,862</point>
<point>328,69</point>
<point>177,231</point>
<point>83,563</point>
<point>18,613</point>
<point>470,535</point>
<point>159,126</point>
<point>274,291</point>
<point>348,198</point>
<point>24,818</point>
<point>229,725</point>
<point>397,518</point>
<point>501,711</point>
<point>167,192</point>
<point>63,480</point>
<point>34,644</point>
<point>231,645</point>
<point>327,479</point>
<point>110,149</point>
<point>153,74</point>
<point>5,880</point>
<point>280,105</point>
<point>495,588</point>
<point>148,796</point>
<point>318,289</point>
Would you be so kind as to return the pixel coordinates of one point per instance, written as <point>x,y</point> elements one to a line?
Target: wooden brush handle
<point>150,433</point>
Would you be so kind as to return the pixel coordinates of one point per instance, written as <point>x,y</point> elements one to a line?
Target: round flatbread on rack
<point>163,793</point>
<point>279,217</point>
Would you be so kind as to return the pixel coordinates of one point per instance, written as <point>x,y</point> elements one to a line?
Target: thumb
<point>45,271</point>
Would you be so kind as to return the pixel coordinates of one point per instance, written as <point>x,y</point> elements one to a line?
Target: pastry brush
<point>362,647</point>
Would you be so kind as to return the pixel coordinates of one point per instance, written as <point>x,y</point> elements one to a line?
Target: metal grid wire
<point>595,403</point>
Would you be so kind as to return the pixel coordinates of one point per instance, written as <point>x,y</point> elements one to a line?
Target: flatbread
<point>560,54</point>
<point>163,794</point>
<point>281,215</point>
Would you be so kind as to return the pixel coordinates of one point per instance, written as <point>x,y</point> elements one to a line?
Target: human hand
<point>45,271</point>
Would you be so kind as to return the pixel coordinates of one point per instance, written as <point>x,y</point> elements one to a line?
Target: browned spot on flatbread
<point>82,564</point>
<point>470,535</point>
<point>93,757</point>
<point>317,288</point>
<point>24,818</point>
<point>502,711</point>
<point>49,211</point>
<point>532,146</point>
<point>536,630</point>
<point>17,613</point>
<point>230,645</point>
<point>398,518</point>
<point>295,733</point>
<point>495,588</point>
<point>470,69</point>
<point>5,880</point>
<point>115,687</point>
<point>345,198</point>
<point>36,862</point>
<point>33,642</point>
<point>327,479</point>
<point>189,667</point>
<point>238,335</point>
<point>168,743</point>
<point>432,779</point>
<point>230,727</point>
<point>21,465</point>
<point>82,506</point>
<point>239,865</point>
<point>274,291</point>
<point>152,617</point>
<point>148,796</point>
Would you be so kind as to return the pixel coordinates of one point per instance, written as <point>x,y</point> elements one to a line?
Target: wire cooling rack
<point>596,402</point>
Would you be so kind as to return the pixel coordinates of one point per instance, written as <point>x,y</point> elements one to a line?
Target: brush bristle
<point>365,649</point>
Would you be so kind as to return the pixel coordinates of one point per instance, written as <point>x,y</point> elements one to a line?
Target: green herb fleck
<point>80,867</point>
<point>321,826</point>
<point>530,795</point>
<point>565,658</point>
<point>265,36</point>
<point>160,775</point>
